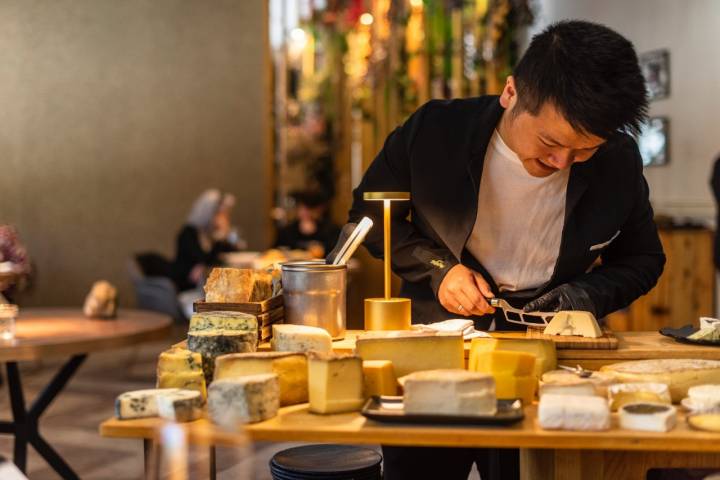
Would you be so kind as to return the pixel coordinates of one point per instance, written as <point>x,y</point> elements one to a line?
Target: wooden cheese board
<point>607,342</point>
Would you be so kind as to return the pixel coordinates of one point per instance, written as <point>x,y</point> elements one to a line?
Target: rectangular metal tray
<point>389,409</point>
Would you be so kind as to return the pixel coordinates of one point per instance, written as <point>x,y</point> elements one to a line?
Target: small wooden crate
<point>268,312</point>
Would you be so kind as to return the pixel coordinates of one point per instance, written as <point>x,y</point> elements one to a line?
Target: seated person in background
<point>15,265</point>
<point>312,228</point>
<point>206,235</point>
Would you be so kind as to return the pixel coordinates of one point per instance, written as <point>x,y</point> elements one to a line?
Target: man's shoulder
<point>620,153</point>
<point>457,108</point>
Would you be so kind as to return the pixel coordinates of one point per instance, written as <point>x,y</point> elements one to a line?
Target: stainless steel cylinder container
<point>315,295</point>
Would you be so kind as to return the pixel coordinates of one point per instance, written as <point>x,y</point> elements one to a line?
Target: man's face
<point>545,143</point>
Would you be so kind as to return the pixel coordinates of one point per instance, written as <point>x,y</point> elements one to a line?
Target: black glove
<point>347,229</point>
<point>564,297</point>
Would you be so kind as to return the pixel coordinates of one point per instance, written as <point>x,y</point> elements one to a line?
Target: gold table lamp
<point>387,313</point>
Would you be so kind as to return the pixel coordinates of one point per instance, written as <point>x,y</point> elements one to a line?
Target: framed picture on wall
<point>653,141</point>
<point>655,67</point>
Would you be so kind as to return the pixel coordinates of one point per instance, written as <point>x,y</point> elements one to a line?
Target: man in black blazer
<point>565,116</point>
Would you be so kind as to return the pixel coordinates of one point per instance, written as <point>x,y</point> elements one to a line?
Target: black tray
<point>681,334</point>
<point>390,410</point>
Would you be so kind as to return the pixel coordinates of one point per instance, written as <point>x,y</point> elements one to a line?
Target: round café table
<point>43,333</point>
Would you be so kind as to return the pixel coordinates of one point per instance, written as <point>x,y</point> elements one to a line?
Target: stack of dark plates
<point>326,462</point>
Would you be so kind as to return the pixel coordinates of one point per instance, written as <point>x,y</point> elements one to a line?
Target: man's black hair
<point>589,73</point>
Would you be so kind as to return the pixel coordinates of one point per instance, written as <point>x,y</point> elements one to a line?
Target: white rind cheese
<point>625,393</point>
<point>563,381</point>
<point>648,417</point>
<point>180,406</point>
<point>678,373</point>
<point>413,351</point>
<point>234,401</point>
<point>300,338</point>
<point>703,397</point>
<point>139,403</point>
<point>573,412</point>
<point>576,322</point>
<point>290,367</point>
<point>449,392</point>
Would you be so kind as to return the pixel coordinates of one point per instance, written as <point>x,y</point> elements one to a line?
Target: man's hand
<point>564,297</point>
<point>464,291</point>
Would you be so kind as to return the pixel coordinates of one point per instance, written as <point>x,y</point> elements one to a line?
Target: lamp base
<point>387,314</point>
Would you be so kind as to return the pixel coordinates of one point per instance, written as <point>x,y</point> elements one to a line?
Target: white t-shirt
<point>519,220</point>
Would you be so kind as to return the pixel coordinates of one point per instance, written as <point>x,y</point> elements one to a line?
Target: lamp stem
<point>386,217</point>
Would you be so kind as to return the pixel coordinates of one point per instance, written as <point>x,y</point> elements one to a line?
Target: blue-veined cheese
<point>300,338</point>
<point>180,405</point>
<point>139,403</point>
<point>249,399</point>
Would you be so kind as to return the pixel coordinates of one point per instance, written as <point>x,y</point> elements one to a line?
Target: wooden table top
<point>46,332</point>
<point>632,346</point>
<point>296,423</point>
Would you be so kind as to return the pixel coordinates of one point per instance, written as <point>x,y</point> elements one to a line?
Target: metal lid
<point>310,266</point>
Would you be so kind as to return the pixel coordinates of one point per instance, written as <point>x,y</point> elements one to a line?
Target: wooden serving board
<point>251,307</point>
<point>607,342</point>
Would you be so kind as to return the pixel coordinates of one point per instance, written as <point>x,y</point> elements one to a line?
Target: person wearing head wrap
<point>206,234</point>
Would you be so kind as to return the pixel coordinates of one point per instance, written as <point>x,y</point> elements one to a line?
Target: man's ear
<point>508,97</point>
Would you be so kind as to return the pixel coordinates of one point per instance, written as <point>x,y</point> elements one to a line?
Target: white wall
<point>689,30</point>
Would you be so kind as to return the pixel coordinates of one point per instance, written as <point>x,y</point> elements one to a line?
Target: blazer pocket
<point>600,246</point>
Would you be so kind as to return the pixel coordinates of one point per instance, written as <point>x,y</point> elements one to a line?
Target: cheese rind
<point>335,383</point>
<point>233,401</point>
<point>626,393</point>
<point>290,367</point>
<point>679,374</point>
<point>300,338</point>
<point>649,417</point>
<point>379,378</point>
<point>180,406</point>
<point>413,351</point>
<point>544,350</point>
<point>704,397</point>
<point>139,403</point>
<point>449,392</point>
<point>238,285</point>
<point>570,412</point>
<point>574,322</point>
<point>212,343</point>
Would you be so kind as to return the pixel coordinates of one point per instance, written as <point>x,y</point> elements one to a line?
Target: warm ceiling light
<point>366,19</point>
<point>416,3</point>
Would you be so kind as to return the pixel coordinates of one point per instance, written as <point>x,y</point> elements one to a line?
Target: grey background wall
<point>115,115</point>
<point>689,30</point>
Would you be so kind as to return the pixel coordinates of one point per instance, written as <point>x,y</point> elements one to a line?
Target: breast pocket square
<point>600,246</point>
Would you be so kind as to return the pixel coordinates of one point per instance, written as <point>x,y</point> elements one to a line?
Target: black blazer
<point>438,155</point>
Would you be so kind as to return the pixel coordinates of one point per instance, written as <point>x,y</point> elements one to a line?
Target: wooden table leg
<point>212,463</point>
<point>151,459</point>
<point>538,464</point>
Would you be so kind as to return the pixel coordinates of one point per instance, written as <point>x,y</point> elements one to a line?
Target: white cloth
<point>519,221</point>
<point>454,325</point>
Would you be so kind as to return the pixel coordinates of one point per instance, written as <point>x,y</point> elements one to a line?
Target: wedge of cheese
<point>335,382</point>
<point>180,406</point>
<point>678,374</point>
<point>212,343</point>
<point>249,399</point>
<point>413,351</point>
<point>139,403</point>
<point>379,378</point>
<point>290,367</point>
<point>544,351</point>
<point>449,392</point>
<point>300,338</point>
<point>575,322</point>
<point>570,412</point>
<point>181,368</point>
<point>510,386</point>
<point>238,285</point>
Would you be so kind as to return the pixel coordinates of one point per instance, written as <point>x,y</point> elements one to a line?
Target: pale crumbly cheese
<point>300,338</point>
<point>413,351</point>
<point>379,378</point>
<point>335,383</point>
<point>575,322</point>
<point>573,412</point>
<point>649,417</point>
<point>544,351</point>
<point>234,401</point>
<point>139,403</point>
<point>449,392</point>
<point>678,373</point>
<point>223,320</point>
<point>290,367</point>
<point>563,381</point>
<point>625,393</point>
<point>180,406</point>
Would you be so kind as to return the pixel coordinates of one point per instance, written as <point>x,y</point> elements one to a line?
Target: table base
<point>25,423</point>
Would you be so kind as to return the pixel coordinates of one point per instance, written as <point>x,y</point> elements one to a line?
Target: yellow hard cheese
<point>181,368</point>
<point>291,369</point>
<point>544,351</point>
<point>505,362</point>
<point>335,382</point>
<point>413,351</point>
<point>509,386</point>
<point>379,378</point>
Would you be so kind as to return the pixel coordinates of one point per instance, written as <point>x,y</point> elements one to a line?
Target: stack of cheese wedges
<point>513,373</point>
